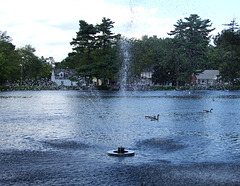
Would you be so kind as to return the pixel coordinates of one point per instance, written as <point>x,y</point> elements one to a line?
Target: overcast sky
<point>50,25</point>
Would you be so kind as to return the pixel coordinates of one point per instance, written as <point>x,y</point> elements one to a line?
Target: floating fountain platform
<point>121,152</point>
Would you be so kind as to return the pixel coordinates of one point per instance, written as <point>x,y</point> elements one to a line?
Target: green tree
<point>71,61</point>
<point>228,44</point>
<point>106,64</point>
<point>191,38</point>
<point>19,64</point>
<point>94,50</point>
<point>163,69</point>
<point>105,37</point>
<point>215,58</point>
<point>157,54</point>
<point>9,60</point>
<point>32,66</point>
<point>84,44</point>
<point>171,66</point>
<point>85,41</point>
<point>145,53</point>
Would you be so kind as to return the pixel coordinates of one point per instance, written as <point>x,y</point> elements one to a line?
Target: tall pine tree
<point>191,38</point>
<point>94,48</point>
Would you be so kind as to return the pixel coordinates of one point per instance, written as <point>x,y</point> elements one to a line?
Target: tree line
<point>20,64</point>
<point>97,52</point>
<point>187,50</point>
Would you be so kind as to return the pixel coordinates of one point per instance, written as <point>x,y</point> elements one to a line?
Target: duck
<point>148,117</point>
<point>155,118</point>
<point>208,110</point>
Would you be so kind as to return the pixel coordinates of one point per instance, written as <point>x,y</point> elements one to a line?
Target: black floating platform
<point>121,152</point>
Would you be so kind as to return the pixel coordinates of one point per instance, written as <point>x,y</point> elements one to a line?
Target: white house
<point>146,76</point>
<point>207,77</point>
<point>62,77</point>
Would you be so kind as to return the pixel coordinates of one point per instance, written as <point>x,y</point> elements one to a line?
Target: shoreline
<point>150,88</point>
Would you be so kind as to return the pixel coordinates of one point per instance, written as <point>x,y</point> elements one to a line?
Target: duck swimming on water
<point>208,110</point>
<point>153,118</point>
<point>148,117</point>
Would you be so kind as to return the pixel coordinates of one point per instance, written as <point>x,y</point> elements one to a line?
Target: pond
<point>62,137</point>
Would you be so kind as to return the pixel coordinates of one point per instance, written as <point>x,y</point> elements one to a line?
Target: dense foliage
<point>97,52</point>
<point>228,47</point>
<point>9,60</point>
<point>18,65</point>
<point>191,39</point>
<point>94,51</point>
<point>172,60</point>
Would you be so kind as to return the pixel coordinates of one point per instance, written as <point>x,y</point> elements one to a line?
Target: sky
<point>50,25</point>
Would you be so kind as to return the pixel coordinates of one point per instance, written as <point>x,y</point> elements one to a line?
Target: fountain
<point>121,152</point>
<point>124,49</point>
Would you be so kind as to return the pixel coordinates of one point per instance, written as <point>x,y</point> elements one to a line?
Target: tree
<point>145,53</point>
<point>85,41</point>
<point>32,66</point>
<point>94,50</point>
<point>83,45</point>
<point>5,37</point>
<point>105,37</point>
<point>9,60</point>
<point>228,43</point>
<point>106,60</point>
<point>191,38</point>
<point>21,63</point>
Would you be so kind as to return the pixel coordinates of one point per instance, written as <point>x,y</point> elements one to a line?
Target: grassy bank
<point>15,88</point>
<point>225,87</point>
<point>151,88</point>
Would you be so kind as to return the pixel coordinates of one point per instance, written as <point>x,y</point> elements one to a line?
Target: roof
<point>208,74</point>
<point>66,73</point>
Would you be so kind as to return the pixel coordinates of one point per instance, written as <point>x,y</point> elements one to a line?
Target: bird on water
<point>208,110</point>
<point>153,118</point>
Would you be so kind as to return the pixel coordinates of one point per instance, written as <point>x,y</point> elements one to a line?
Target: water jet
<point>124,49</point>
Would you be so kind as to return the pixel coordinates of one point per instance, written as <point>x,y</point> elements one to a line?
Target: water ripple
<point>61,144</point>
<point>161,143</point>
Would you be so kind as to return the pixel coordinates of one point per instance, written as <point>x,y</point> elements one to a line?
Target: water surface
<point>61,137</point>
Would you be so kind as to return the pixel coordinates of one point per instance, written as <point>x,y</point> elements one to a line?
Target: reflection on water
<point>80,127</point>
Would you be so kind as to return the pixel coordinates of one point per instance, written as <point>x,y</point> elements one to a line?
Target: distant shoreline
<point>150,88</point>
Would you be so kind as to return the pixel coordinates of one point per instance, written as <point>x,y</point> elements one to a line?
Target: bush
<point>162,87</point>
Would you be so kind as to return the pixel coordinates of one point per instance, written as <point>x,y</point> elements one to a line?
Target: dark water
<point>61,138</point>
